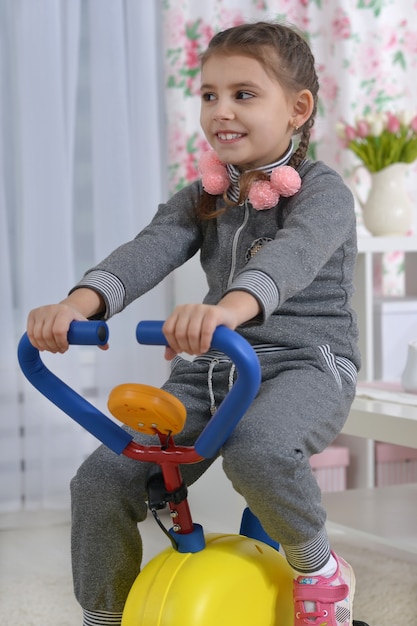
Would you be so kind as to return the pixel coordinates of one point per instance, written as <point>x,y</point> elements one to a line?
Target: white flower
<point>405,117</point>
<point>341,130</point>
<point>376,123</point>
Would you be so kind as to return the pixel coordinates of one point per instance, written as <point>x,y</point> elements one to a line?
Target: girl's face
<point>246,116</point>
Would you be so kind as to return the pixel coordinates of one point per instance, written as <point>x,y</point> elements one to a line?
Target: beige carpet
<point>386,586</point>
<point>36,587</point>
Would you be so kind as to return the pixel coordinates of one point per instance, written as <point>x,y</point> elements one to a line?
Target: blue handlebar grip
<point>93,333</point>
<point>149,333</point>
<point>243,392</point>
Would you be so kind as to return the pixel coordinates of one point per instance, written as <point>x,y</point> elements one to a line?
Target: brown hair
<point>287,57</point>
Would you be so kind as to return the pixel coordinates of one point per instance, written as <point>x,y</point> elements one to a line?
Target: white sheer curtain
<point>81,171</point>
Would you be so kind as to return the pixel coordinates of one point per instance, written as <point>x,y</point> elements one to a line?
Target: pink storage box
<point>330,468</point>
<point>394,465</point>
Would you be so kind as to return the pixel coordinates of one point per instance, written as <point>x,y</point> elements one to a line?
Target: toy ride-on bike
<point>201,580</point>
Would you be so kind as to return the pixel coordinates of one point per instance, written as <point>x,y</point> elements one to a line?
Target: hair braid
<point>300,153</point>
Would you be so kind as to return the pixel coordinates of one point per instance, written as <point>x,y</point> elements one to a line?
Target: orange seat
<point>147,409</point>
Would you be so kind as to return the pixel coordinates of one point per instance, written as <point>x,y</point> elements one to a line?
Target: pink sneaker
<point>321,601</point>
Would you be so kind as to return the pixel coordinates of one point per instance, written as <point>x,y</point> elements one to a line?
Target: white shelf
<point>385,421</point>
<point>387,244</point>
<point>370,251</point>
<point>388,514</point>
<point>370,254</point>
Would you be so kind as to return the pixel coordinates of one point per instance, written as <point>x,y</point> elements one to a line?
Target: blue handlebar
<point>65,398</point>
<point>237,401</point>
<point>108,432</point>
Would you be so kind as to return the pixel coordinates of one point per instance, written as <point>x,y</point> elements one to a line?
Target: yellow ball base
<point>233,581</point>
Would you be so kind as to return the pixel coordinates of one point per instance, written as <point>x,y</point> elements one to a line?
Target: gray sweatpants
<point>302,405</point>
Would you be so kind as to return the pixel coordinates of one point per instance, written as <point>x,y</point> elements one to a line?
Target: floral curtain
<point>366,56</point>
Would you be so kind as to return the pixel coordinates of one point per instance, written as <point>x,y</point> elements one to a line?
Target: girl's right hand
<point>47,326</point>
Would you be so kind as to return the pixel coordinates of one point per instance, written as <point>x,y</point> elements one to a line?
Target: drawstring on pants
<point>213,363</point>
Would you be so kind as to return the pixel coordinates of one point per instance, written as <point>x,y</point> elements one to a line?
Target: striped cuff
<point>101,618</point>
<point>108,286</point>
<point>310,556</point>
<point>259,285</point>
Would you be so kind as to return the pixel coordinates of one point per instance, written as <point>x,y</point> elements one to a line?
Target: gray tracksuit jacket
<point>297,259</point>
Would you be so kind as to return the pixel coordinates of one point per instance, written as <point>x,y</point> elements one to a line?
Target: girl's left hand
<point>190,327</point>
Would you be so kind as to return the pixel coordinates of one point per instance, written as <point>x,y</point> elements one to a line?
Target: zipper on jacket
<point>235,244</point>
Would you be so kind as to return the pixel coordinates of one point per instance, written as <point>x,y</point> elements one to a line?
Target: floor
<point>386,515</point>
<point>35,569</point>
<point>34,549</point>
<point>36,587</point>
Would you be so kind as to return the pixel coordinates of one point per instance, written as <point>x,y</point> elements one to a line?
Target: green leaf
<point>190,146</point>
<point>320,108</point>
<point>171,82</point>
<point>381,100</point>
<point>368,85</point>
<point>399,59</point>
<point>375,5</point>
<point>191,72</point>
<point>174,53</point>
<point>191,30</point>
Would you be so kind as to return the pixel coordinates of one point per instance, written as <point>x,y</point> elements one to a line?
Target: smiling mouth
<point>229,136</point>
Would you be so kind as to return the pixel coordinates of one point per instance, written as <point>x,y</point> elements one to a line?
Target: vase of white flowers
<point>385,144</point>
<point>387,211</point>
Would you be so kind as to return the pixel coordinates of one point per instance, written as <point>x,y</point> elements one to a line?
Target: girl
<point>277,239</point>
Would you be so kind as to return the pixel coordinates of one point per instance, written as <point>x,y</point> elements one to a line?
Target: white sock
<point>327,570</point>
